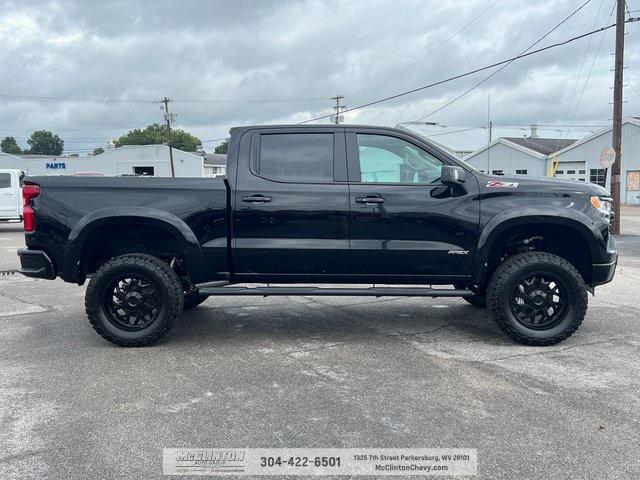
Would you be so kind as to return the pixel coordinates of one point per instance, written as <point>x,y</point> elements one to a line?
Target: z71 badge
<point>499,184</point>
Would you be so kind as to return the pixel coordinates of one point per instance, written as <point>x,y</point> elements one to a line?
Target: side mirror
<point>452,175</point>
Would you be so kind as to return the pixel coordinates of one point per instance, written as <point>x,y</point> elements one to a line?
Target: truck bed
<point>196,207</point>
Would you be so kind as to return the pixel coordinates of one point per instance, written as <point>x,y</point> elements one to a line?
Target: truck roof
<point>314,125</point>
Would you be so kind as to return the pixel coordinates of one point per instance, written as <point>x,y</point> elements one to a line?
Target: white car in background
<point>11,194</point>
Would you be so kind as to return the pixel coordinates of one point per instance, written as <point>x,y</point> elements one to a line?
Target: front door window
<point>385,159</point>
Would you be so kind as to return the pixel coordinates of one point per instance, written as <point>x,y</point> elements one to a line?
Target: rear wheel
<point>537,298</point>
<point>133,300</point>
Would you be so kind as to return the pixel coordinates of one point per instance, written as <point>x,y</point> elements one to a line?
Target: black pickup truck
<point>371,211</point>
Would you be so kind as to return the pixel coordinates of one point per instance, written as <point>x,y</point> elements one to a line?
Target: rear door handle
<point>370,200</point>
<point>256,198</point>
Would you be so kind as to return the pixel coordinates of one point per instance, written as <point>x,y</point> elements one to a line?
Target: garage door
<point>572,171</point>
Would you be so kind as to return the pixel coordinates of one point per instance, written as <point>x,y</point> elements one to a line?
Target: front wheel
<point>537,298</point>
<point>133,300</point>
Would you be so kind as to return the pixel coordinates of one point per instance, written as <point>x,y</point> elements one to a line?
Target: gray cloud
<point>237,54</point>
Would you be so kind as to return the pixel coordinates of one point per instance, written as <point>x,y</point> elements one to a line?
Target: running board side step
<point>337,292</point>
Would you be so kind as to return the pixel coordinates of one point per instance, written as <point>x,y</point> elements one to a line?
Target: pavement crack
<point>413,334</point>
<point>554,351</point>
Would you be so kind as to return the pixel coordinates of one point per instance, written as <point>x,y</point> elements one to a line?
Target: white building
<point>215,165</point>
<point>582,159</point>
<point>516,155</point>
<point>566,159</point>
<point>150,160</point>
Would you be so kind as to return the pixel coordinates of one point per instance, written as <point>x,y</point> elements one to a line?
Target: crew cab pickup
<point>10,196</point>
<point>364,211</point>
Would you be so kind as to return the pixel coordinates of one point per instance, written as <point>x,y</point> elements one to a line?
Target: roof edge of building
<point>507,143</point>
<point>588,138</point>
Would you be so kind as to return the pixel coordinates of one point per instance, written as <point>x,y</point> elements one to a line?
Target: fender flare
<point>565,217</point>
<point>174,226</point>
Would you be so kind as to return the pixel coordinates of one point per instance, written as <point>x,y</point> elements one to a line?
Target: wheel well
<point>561,240</point>
<point>112,241</point>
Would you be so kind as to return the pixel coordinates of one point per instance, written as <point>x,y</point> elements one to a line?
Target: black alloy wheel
<point>537,301</point>
<point>132,303</point>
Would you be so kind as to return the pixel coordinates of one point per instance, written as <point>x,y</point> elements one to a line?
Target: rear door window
<point>296,157</point>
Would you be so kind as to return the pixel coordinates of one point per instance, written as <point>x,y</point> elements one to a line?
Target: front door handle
<point>256,198</point>
<point>370,200</point>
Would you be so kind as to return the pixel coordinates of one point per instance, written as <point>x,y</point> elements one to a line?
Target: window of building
<point>521,172</point>
<point>571,172</point>
<point>385,159</point>
<point>598,176</point>
<point>296,157</point>
<point>146,171</point>
<point>497,172</point>
<point>582,172</point>
<point>559,172</point>
<point>5,180</point>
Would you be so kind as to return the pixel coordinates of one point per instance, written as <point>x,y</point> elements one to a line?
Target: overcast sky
<point>234,62</point>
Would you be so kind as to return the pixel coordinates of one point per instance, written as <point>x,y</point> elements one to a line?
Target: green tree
<point>97,151</point>
<point>43,142</point>
<point>9,145</point>
<point>223,147</point>
<point>157,134</point>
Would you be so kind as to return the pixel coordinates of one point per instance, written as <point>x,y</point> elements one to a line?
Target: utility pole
<point>489,123</point>
<point>339,109</point>
<point>617,116</point>
<point>489,128</point>
<point>169,118</point>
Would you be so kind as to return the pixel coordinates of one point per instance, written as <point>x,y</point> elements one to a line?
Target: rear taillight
<point>29,192</point>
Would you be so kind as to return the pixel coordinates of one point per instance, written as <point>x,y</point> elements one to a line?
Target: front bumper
<point>602,273</point>
<point>36,264</point>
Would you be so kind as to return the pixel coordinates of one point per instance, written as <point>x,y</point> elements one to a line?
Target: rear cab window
<point>296,157</point>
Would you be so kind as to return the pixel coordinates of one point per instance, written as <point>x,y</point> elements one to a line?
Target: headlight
<point>603,204</point>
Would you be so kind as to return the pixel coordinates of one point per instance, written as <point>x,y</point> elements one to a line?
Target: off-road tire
<point>165,281</point>
<point>477,300</point>
<point>506,278</point>
<point>193,299</point>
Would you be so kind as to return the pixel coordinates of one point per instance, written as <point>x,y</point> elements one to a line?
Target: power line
<point>466,74</point>
<point>586,82</point>
<point>631,85</point>
<point>253,101</point>
<point>566,19</point>
<point>150,102</point>
<point>432,51</point>
<point>72,99</point>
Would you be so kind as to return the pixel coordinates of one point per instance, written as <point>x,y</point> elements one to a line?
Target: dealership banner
<point>319,461</point>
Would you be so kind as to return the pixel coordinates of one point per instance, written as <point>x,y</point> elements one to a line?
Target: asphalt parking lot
<point>317,372</point>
